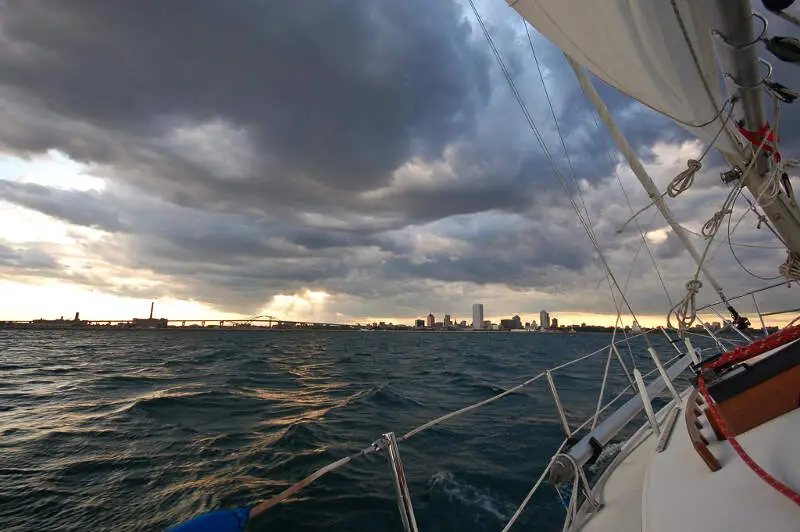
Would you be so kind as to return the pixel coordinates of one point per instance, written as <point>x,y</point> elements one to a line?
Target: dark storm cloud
<point>257,148</point>
<point>311,103</point>
<point>181,232</point>
<point>25,259</point>
<point>340,93</point>
<point>81,208</point>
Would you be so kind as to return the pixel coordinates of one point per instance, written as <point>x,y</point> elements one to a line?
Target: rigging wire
<point>539,137</point>
<point>685,179</point>
<point>630,207</point>
<point>696,60</point>
<point>737,244</point>
<point>765,189</point>
<point>736,257</point>
<point>575,183</point>
<point>555,119</point>
<point>685,311</point>
<point>583,202</point>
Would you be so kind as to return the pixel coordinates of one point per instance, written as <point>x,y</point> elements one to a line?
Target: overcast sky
<point>340,161</point>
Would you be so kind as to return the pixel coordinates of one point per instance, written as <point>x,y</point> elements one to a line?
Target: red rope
<point>779,486</point>
<point>759,347</point>
<point>757,137</point>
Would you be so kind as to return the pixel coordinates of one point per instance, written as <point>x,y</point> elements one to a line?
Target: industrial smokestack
<point>151,309</point>
<point>77,316</point>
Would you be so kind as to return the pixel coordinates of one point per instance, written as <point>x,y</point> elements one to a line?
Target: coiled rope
<point>791,268</point>
<point>685,311</point>
<point>685,179</point>
<point>710,228</point>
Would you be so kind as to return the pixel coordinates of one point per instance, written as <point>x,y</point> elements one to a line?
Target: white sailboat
<point>723,454</point>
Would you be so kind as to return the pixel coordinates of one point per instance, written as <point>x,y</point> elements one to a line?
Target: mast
<point>736,26</point>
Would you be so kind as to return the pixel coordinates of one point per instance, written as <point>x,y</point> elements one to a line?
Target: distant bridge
<point>256,322</point>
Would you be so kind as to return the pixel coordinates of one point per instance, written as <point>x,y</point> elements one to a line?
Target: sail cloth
<point>640,47</point>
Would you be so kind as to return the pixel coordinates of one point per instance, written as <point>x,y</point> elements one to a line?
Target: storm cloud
<point>371,150</point>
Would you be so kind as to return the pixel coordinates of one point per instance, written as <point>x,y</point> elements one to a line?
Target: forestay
<point>642,49</point>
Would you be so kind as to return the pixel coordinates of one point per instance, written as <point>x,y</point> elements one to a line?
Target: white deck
<point>675,491</point>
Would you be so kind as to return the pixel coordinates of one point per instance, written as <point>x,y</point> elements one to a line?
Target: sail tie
<point>711,227</point>
<point>685,311</point>
<point>685,179</point>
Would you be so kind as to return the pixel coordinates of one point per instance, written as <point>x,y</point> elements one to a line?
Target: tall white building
<point>477,315</point>
<point>544,319</point>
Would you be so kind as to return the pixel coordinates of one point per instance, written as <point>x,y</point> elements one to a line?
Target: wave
<point>464,494</point>
<point>163,402</point>
<point>386,396</point>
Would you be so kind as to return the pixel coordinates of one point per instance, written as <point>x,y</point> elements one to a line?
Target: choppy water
<point>143,430</point>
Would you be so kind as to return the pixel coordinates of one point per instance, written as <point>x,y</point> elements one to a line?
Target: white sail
<point>641,48</point>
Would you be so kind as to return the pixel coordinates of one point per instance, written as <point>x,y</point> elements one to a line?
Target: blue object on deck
<point>219,521</point>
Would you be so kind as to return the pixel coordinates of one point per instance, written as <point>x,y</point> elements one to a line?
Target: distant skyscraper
<point>544,319</point>
<point>447,320</point>
<point>431,320</point>
<point>420,323</point>
<point>477,315</point>
<point>554,323</point>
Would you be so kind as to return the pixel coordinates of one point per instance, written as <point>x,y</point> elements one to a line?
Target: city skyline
<point>165,310</point>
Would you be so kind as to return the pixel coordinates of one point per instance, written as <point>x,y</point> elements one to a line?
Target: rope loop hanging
<point>685,312</point>
<point>712,225</point>
<point>685,179</point>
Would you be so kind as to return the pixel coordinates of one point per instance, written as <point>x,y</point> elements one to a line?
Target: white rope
<point>603,386</point>
<point>768,192</point>
<point>445,417</point>
<point>770,188</point>
<point>791,268</point>
<point>685,311</point>
<point>535,487</point>
<point>297,486</point>
<point>685,179</point>
<point>573,499</point>
<point>710,228</point>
